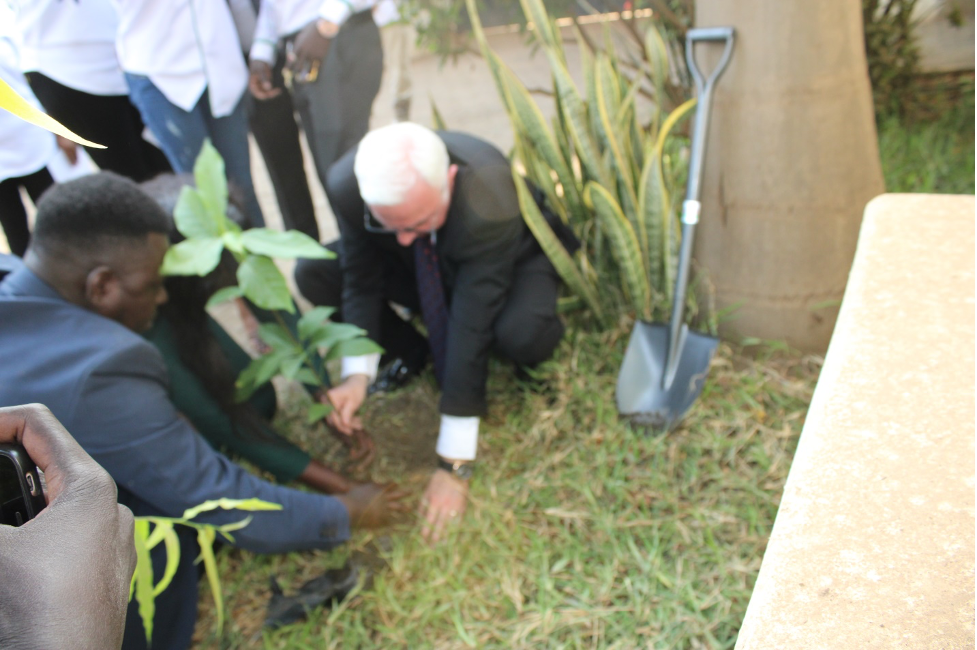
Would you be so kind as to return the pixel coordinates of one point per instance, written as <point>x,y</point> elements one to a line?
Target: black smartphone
<point>21,494</point>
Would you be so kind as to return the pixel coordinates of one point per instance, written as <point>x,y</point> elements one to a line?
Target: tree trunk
<point>791,160</point>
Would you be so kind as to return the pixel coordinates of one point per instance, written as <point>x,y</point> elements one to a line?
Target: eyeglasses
<point>372,224</point>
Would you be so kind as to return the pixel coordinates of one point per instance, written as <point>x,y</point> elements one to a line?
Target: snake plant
<point>603,170</point>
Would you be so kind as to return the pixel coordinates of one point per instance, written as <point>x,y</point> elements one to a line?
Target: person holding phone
<point>66,573</point>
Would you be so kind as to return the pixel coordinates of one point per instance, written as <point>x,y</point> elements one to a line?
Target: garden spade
<point>665,365</point>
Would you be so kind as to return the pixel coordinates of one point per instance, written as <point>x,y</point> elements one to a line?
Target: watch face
<point>465,471</point>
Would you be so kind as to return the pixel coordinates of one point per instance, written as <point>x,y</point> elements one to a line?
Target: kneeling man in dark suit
<point>431,221</point>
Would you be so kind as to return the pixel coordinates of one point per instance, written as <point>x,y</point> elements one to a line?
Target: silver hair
<point>390,160</point>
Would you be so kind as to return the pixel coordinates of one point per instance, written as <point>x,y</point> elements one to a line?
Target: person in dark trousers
<point>335,59</point>
<point>431,221</point>
<point>68,52</point>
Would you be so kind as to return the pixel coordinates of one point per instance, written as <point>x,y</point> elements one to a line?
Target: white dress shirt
<point>184,47</point>
<point>279,18</point>
<point>73,43</point>
<point>24,148</point>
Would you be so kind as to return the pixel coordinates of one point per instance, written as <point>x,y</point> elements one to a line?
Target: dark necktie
<point>433,306</point>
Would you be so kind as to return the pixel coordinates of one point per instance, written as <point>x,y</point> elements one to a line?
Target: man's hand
<point>309,51</point>
<point>347,398</point>
<point>66,573</point>
<point>360,445</point>
<point>371,505</point>
<point>444,501</point>
<point>259,83</point>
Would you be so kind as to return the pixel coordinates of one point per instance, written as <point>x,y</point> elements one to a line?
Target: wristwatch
<point>463,469</point>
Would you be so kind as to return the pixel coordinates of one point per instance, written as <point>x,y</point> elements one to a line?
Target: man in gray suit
<point>69,323</point>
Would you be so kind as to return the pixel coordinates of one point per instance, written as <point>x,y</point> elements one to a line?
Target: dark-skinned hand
<point>66,573</point>
<point>360,445</point>
<point>309,50</point>
<point>372,505</point>
<point>259,83</point>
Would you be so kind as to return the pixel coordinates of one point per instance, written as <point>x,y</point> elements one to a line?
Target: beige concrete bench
<point>873,546</point>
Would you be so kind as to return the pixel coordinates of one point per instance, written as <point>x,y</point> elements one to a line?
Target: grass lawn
<point>581,532</point>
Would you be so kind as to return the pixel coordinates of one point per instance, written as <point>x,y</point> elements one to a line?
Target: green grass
<point>581,532</point>
<point>933,153</point>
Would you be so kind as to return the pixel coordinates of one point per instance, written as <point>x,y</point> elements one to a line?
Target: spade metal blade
<point>643,393</point>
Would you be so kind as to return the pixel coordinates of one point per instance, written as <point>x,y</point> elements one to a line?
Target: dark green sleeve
<point>272,453</point>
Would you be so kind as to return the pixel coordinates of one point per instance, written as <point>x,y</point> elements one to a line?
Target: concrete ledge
<point>873,546</point>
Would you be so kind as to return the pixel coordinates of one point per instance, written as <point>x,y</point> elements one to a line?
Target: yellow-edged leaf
<point>554,249</point>
<point>624,244</point>
<point>10,100</point>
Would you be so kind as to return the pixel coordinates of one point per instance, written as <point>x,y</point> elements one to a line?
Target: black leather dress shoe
<point>332,586</point>
<point>397,374</point>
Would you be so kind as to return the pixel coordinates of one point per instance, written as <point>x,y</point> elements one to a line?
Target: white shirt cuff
<point>366,364</point>
<point>263,51</point>
<point>458,438</point>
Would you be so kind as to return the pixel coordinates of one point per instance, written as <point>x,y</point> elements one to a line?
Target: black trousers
<point>106,119</point>
<point>335,108</point>
<point>526,331</point>
<point>13,216</point>
<point>275,130</point>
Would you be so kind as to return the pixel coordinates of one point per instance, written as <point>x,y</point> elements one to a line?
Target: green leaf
<point>143,578</point>
<point>252,505</point>
<point>624,244</point>
<point>291,365</point>
<point>223,295</point>
<point>328,334</point>
<point>191,216</point>
<point>278,337</point>
<point>172,543</point>
<point>438,123</point>
<point>205,538</point>
<point>209,175</point>
<point>318,411</point>
<point>554,249</point>
<point>227,529</point>
<point>234,241</point>
<point>653,212</point>
<point>353,348</point>
<point>264,284</point>
<point>308,377</point>
<point>312,320</point>
<point>193,257</point>
<point>257,373</point>
<point>286,245</point>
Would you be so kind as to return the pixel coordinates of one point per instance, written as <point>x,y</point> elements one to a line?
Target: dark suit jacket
<point>479,245</point>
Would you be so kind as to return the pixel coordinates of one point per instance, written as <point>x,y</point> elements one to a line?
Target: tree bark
<point>791,160</point>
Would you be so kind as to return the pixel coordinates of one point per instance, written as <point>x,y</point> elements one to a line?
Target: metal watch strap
<point>462,469</point>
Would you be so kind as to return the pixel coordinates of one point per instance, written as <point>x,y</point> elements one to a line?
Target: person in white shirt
<point>67,51</point>
<point>275,129</point>
<point>186,75</point>
<point>337,61</point>
<point>25,150</point>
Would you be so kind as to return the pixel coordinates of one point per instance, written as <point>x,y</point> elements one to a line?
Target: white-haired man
<point>410,202</point>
